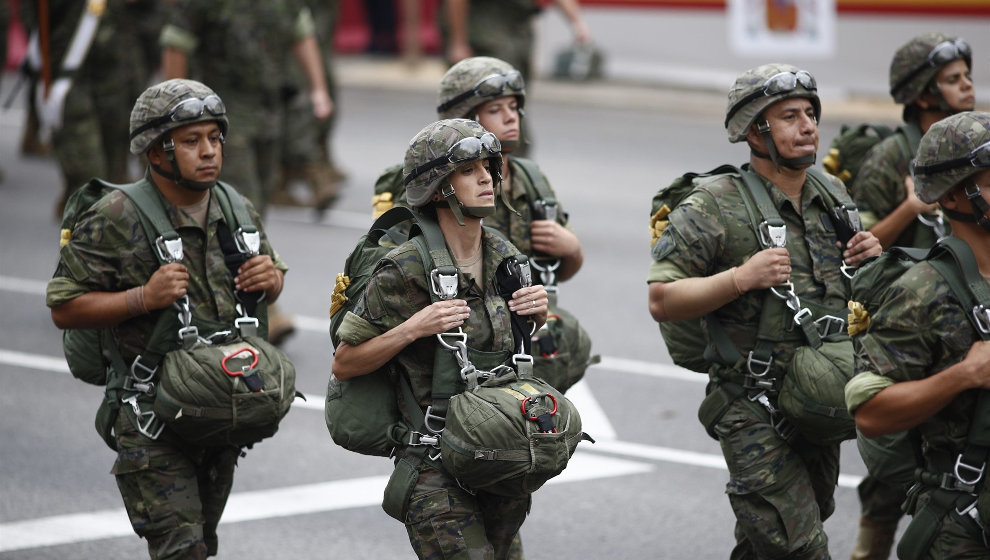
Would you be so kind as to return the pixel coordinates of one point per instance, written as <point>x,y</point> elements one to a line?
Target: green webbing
<point>536,179</point>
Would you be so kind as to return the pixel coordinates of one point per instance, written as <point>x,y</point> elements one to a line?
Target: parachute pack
<point>848,150</point>
<point>894,457</point>
<point>363,414</point>
<point>238,406</point>
<point>562,348</point>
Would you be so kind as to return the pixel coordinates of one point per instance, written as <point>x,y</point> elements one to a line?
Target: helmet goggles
<point>784,82</point>
<point>490,86</point>
<point>979,157</point>
<point>187,110</point>
<point>940,55</point>
<point>466,149</point>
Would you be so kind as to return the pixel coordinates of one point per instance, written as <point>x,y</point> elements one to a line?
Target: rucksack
<point>894,458</point>
<point>217,406</point>
<point>564,345</point>
<point>848,150</point>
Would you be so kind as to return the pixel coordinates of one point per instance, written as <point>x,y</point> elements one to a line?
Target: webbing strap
<point>536,179</point>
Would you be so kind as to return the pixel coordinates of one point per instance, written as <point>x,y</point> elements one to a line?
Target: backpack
<point>685,340</point>
<point>894,458</point>
<point>564,345</point>
<point>219,405</point>
<point>848,150</point>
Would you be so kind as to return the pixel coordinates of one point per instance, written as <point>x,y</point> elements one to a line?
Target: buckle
<point>832,325</point>
<point>976,473</point>
<point>138,386</point>
<point>443,285</point>
<point>548,272</point>
<point>428,416</point>
<point>137,366</point>
<point>772,236</point>
<point>169,250</point>
<point>799,314</point>
<point>752,360</point>
<point>417,439</point>
<point>247,241</point>
<point>549,210</point>
<point>846,268</point>
<point>981,315</point>
<point>145,422</point>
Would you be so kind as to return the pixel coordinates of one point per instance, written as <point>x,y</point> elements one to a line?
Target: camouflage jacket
<point>710,231</point>
<point>516,227</point>
<point>878,189</point>
<point>918,331</point>
<point>400,287</point>
<point>239,48</point>
<point>109,252</point>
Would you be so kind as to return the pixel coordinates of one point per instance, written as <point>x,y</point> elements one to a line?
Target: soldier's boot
<point>874,540</point>
<point>280,325</point>
<point>282,195</point>
<point>320,180</point>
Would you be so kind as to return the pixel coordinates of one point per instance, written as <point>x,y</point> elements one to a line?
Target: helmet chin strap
<point>175,174</point>
<point>979,206</point>
<point>796,164</point>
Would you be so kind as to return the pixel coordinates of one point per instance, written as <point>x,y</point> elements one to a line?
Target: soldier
<point>930,76</point>
<point>452,172</point>
<point>708,261</point>
<point>924,365</point>
<point>239,47</point>
<point>501,29</point>
<point>107,276</point>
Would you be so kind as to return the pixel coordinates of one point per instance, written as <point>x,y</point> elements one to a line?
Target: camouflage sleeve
<point>395,292</point>
<point>863,387</point>
<point>879,186</point>
<point>304,26</point>
<point>690,244</point>
<point>354,330</point>
<point>180,30</point>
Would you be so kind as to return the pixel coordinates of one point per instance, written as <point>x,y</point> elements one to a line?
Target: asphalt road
<point>652,487</point>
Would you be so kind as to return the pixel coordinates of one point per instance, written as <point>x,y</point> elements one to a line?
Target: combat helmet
<point>475,80</point>
<point>953,150</point>
<point>919,60</point>
<point>439,149</point>
<point>761,87</point>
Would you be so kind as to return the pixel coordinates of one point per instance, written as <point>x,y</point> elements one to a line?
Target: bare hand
<point>166,285</point>
<point>768,268</point>
<point>979,357</point>
<point>552,238</point>
<point>258,274</point>
<point>438,317</point>
<point>322,104</point>
<point>862,246</point>
<point>532,301</point>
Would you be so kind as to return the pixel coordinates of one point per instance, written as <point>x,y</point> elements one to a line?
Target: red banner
<point>930,7</point>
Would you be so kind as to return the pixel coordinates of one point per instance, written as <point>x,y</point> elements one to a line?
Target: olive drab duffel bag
<point>509,434</point>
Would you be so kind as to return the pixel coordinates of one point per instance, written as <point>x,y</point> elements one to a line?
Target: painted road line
<point>267,504</point>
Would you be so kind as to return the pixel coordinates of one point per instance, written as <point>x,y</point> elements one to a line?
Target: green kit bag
<point>509,435</point>
<point>813,397</point>
<point>233,392</point>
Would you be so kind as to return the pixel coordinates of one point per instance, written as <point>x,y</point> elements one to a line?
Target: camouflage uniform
<point>515,225</point>
<point>896,350</point>
<point>174,493</point>
<point>92,141</point>
<point>879,189</point>
<point>445,520</point>
<point>239,48</point>
<point>781,493</point>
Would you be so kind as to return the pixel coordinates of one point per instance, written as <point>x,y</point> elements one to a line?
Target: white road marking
<point>266,504</point>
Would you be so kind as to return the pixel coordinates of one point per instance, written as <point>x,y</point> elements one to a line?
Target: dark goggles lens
<point>496,83</point>
<point>947,51</point>
<point>784,82</point>
<point>467,149</point>
<point>979,157</point>
<point>190,109</point>
<point>186,110</point>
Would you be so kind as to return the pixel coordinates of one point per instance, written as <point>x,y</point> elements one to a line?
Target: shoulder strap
<point>964,279</point>
<point>542,199</point>
<point>909,138</point>
<point>161,232</point>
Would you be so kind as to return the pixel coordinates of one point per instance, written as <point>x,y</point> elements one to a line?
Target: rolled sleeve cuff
<point>863,387</point>
<point>177,38</point>
<point>354,330</point>
<point>61,290</point>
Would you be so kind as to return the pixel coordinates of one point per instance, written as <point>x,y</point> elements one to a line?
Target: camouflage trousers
<point>174,497</point>
<point>879,501</point>
<point>780,493</point>
<point>446,522</point>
